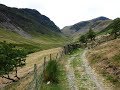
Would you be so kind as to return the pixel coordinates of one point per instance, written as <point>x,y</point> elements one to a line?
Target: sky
<point>69,12</point>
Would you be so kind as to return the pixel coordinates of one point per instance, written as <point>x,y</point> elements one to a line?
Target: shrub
<point>52,71</point>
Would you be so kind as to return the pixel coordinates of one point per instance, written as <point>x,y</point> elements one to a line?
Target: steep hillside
<point>105,58</point>
<point>110,27</point>
<point>29,29</point>
<point>27,19</point>
<point>96,24</point>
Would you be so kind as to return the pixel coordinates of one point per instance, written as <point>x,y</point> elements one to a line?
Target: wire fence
<point>37,80</point>
<point>34,79</point>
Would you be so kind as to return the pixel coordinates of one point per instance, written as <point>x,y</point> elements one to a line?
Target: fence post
<point>61,53</point>
<point>50,57</point>
<point>57,56</point>
<point>44,77</point>
<point>35,77</point>
<point>64,49</point>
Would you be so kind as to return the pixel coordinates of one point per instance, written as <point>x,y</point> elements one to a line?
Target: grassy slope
<point>37,42</point>
<point>106,59</point>
<point>62,85</point>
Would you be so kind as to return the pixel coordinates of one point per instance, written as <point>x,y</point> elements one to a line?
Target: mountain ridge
<point>96,24</point>
<point>27,19</point>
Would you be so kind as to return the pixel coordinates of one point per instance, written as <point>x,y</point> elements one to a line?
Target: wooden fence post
<point>35,77</point>
<point>57,56</point>
<point>44,68</point>
<point>65,50</point>
<point>50,57</point>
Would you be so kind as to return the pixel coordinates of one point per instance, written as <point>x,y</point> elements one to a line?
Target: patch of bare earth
<point>105,59</point>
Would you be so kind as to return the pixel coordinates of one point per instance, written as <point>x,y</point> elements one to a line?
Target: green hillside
<point>29,29</point>
<point>37,42</point>
<point>109,28</point>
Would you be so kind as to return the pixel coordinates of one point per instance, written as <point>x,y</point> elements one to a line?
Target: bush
<point>83,39</point>
<point>52,71</point>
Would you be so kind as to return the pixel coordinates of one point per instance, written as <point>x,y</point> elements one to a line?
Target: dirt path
<point>70,75</point>
<point>91,72</point>
<point>81,76</point>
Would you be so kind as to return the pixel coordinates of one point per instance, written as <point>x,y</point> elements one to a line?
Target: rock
<point>48,82</point>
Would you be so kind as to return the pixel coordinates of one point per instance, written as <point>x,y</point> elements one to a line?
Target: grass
<point>105,58</point>
<point>104,32</point>
<point>34,58</point>
<point>52,71</point>
<point>62,84</point>
<point>36,43</point>
<point>116,59</point>
<point>76,61</point>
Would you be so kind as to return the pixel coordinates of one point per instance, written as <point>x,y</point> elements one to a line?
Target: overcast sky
<point>68,12</point>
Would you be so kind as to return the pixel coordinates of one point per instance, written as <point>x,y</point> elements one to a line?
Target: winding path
<point>91,72</point>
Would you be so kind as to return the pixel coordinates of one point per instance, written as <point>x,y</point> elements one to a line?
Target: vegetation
<point>113,28</point>
<point>116,28</point>
<point>106,61</point>
<point>91,35</point>
<point>83,39</point>
<point>36,43</point>
<point>63,84</point>
<point>52,71</point>
<point>10,58</point>
<point>39,32</point>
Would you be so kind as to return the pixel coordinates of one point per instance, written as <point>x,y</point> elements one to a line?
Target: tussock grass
<point>63,84</point>
<point>105,58</point>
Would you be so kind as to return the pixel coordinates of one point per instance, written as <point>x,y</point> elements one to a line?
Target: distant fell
<point>97,24</point>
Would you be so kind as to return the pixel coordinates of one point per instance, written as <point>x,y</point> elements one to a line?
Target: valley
<point>82,56</point>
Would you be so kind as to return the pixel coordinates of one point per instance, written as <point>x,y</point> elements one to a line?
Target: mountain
<point>96,24</point>
<point>28,28</point>
<point>26,19</point>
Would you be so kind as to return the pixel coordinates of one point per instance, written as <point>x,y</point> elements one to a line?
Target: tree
<point>116,27</point>
<point>19,59</point>
<point>83,39</point>
<point>6,62</point>
<point>91,35</point>
<point>10,58</point>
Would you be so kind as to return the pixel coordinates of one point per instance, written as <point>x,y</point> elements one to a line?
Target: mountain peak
<point>100,18</point>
